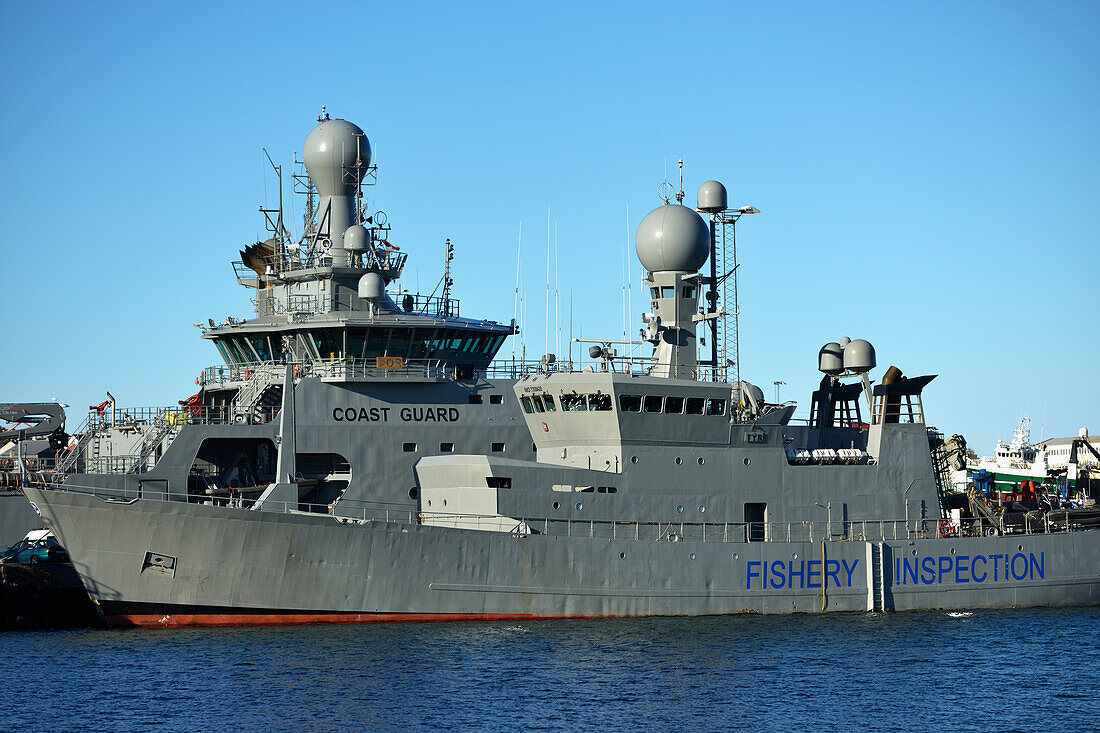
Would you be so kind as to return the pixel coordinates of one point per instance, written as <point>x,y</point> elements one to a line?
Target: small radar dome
<point>337,155</point>
<point>712,197</point>
<point>845,341</point>
<point>357,238</point>
<point>831,358</point>
<point>859,356</point>
<point>1083,433</point>
<point>372,286</point>
<point>672,238</point>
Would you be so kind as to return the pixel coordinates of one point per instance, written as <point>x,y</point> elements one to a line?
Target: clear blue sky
<point>928,175</point>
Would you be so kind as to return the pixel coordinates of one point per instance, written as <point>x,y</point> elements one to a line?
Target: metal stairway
<point>163,428</point>
<point>262,390</point>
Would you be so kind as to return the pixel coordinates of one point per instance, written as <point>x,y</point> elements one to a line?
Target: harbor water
<point>1018,670</point>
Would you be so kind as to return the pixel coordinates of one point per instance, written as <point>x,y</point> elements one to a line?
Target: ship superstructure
<point>375,376</point>
<point>648,489</point>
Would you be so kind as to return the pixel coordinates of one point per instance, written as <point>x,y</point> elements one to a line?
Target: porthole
<point>444,502</point>
<point>579,506</point>
<point>745,460</point>
<point>700,461</point>
<point>622,555</point>
<point>735,556</point>
<point>413,493</point>
<point>634,459</point>
<point>679,509</point>
<point>691,556</point>
<point>1020,548</point>
<point>429,502</point>
<point>556,505</point>
<point>702,509</point>
<point>952,550</point>
<point>914,553</point>
<point>794,556</point>
<point>679,460</point>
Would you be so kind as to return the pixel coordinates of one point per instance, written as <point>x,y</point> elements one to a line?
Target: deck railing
<point>723,532</point>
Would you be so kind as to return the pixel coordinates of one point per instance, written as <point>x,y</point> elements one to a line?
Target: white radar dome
<point>330,150</point>
<point>712,197</point>
<point>372,286</point>
<point>672,238</point>
<point>831,358</point>
<point>357,238</point>
<point>859,356</point>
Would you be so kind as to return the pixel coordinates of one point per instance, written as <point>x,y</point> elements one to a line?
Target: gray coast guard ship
<point>307,482</point>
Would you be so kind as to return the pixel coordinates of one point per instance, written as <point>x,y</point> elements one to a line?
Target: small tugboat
<point>641,486</point>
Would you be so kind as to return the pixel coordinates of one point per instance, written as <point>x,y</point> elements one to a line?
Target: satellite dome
<point>712,197</point>
<point>859,356</point>
<point>672,238</point>
<point>372,286</point>
<point>831,358</point>
<point>332,147</point>
<point>357,238</point>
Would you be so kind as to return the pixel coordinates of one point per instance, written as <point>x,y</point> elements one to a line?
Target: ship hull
<point>156,563</point>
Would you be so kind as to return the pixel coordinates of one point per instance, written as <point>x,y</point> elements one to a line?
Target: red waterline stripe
<point>176,620</point>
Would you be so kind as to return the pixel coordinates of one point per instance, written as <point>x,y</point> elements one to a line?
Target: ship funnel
<point>337,155</point>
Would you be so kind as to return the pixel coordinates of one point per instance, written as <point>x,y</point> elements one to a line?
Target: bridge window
<point>330,342</point>
<point>573,403</point>
<point>653,403</point>
<point>630,403</point>
<point>716,407</point>
<point>549,402</point>
<point>695,405</point>
<point>674,405</point>
<point>259,345</point>
<point>599,402</point>
<point>527,406</point>
<point>537,402</point>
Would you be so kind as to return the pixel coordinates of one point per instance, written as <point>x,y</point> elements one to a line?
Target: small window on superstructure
<point>573,403</point>
<point>599,402</point>
<point>689,291</point>
<point>652,403</point>
<point>655,292</point>
<point>496,447</point>
<point>408,447</point>
<point>630,403</point>
<point>475,399</point>
<point>446,447</point>
<point>695,405</point>
<point>674,405</point>
<point>668,291</point>
<point>496,399</point>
